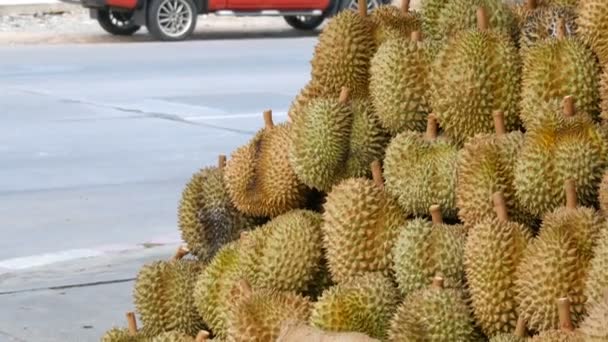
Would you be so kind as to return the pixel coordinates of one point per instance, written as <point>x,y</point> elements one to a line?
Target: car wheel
<point>304,22</point>
<point>172,20</point>
<point>371,4</point>
<point>118,23</point>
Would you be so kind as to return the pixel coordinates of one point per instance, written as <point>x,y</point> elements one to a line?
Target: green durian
<point>207,218</point>
<point>163,296</point>
<point>423,249</point>
<point>604,95</point>
<point>475,74</point>
<point>399,84</point>
<point>121,335</point>
<point>543,23</point>
<point>431,11</point>
<point>595,325</point>
<point>391,22</point>
<point>259,177</point>
<point>172,336</point>
<point>360,223</point>
<point>592,23</point>
<point>305,95</point>
<point>362,304</point>
<point>566,332</point>
<point>560,146</point>
<point>433,314</point>
<point>597,279</point>
<point>420,170</point>
<point>519,335</point>
<point>342,55</point>
<point>603,194</point>
<point>493,250</point>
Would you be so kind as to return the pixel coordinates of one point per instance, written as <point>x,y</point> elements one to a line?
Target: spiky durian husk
<point>391,22</point>
<point>486,166</point>
<point>475,74</point>
<point>558,68</point>
<point>432,314</point>
<point>368,140</point>
<point>305,95</point>
<point>399,85</point>
<point>421,173</point>
<point>259,177</point>
<point>604,95</point>
<point>258,317</point>
<point>362,304</point>
<point>359,213</point>
<point>423,249</point>
<point>541,24</point>
<point>121,335</point>
<point>507,338</point>
<point>321,282</point>
<point>206,216</point>
<point>603,195</point>
<point>430,10</point>
<point>558,336</point>
<point>595,325</point>
<point>320,142</point>
<point>592,26</point>
<point>342,55</point>
<point>559,148</point>
<point>172,336</point>
<point>163,296</point>
<point>597,280</point>
<point>492,253</point>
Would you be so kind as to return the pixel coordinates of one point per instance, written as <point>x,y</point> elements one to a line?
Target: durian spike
<point>482,19</point>
<point>500,206</point>
<point>571,199</point>
<point>416,36</point>
<point>563,309</point>
<point>431,127</point>
<point>436,214</point>
<point>132,323</point>
<point>268,119</point>
<point>568,104</point>
<point>561,28</point>
<point>363,8</point>
<point>405,6</point>
<point>181,252</point>
<point>344,95</point>
<point>221,161</point>
<point>438,282</point>
<point>202,336</point>
<point>530,4</point>
<point>520,328</point>
<point>499,123</point>
<point>377,174</point>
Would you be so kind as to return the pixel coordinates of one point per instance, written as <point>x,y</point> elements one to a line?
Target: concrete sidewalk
<point>28,7</point>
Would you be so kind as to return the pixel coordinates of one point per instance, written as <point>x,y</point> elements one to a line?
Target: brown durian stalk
<point>129,334</point>
<point>566,332</point>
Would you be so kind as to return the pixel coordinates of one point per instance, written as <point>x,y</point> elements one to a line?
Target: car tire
<point>305,23</point>
<point>371,4</point>
<point>172,20</point>
<point>117,23</point>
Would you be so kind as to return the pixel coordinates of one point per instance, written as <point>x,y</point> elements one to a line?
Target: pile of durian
<point>443,176</point>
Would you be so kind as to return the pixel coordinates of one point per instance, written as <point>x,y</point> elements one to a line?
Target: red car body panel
<point>258,5</point>
<point>122,3</point>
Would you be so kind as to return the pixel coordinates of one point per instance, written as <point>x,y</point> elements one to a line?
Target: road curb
<point>45,8</point>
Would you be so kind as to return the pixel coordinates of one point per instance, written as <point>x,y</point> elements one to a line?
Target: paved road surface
<point>96,144</point>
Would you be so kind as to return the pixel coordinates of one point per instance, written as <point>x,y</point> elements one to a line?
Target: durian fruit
<point>320,139</point>
<point>566,332</point>
<point>424,249</point>
<point>172,336</point>
<point>493,251</point>
<point>559,147</point>
<point>306,94</point>
<point>595,325</point>
<point>603,194</point>
<point>130,334</point>
<point>296,331</point>
<point>360,223</point>
<point>430,11</point>
<point>592,26</point>
<point>163,296</point>
<point>557,68</point>
<point>597,279</point>
<point>420,170</point>
<point>393,22</point>
<point>257,315</point>
<point>259,177</point>
<point>557,262</point>
<point>433,314</point>
<point>519,335</point>
<point>486,166</point>
<point>362,304</point>
<point>542,23</point>
<point>604,95</point>
<point>399,84</point>
<point>207,218</point>
<point>342,55</point>
<point>475,74</point>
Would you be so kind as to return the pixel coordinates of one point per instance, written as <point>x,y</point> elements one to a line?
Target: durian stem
<point>436,214</point>
<point>377,173</point>
<point>531,4</point>
<point>568,104</point>
<point>245,288</point>
<point>180,253</point>
<point>499,123</point>
<point>132,323</point>
<point>363,8</point>
<point>561,28</point>
<point>202,336</point>
<point>482,19</point>
<point>405,6</point>
<point>431,128</point>
<point>438,282</point>
<point>571,200</point>
<point>500,206</point>
<point>344,95</point>
<point>416,36</point>
<point>520,328</point>
<point>221,161</point>
<point>563,307</point>
<point>268,119</point>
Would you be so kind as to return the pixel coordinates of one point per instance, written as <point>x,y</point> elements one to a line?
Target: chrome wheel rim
<point>174,17</point>
<point>371,4</point>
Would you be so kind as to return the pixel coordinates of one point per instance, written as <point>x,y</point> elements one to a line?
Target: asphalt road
<point>96,145</point>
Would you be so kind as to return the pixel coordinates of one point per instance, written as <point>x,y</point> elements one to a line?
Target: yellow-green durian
<point>423,249</point>
<point>597,279</point>
<point>592,26</point>
<point>565,332</point>
<point>360,223</point>
<point>399,84</point>
<point>430,11</point>
<point>122,335</point>
<point>306,94</point>
<point>206,216</point>
<point>560,146</point>
<point>259,177</point>
<point>163,296</point>
<point>543,22</point>
<point>493,250</point>
<point>420,170</point>
<point>391,21</point>
<point>172,336</point>
<point>603,194</point>
<point>362,304</point>
<point>595,325</point>
<point>475,74</point>
<point>433,314</point>
<point>557,68</point>
<point>519,335</point>
<point>342,55</point>
<point>604,94</point>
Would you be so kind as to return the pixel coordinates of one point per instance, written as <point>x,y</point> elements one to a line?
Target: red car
<point>174,20</point>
